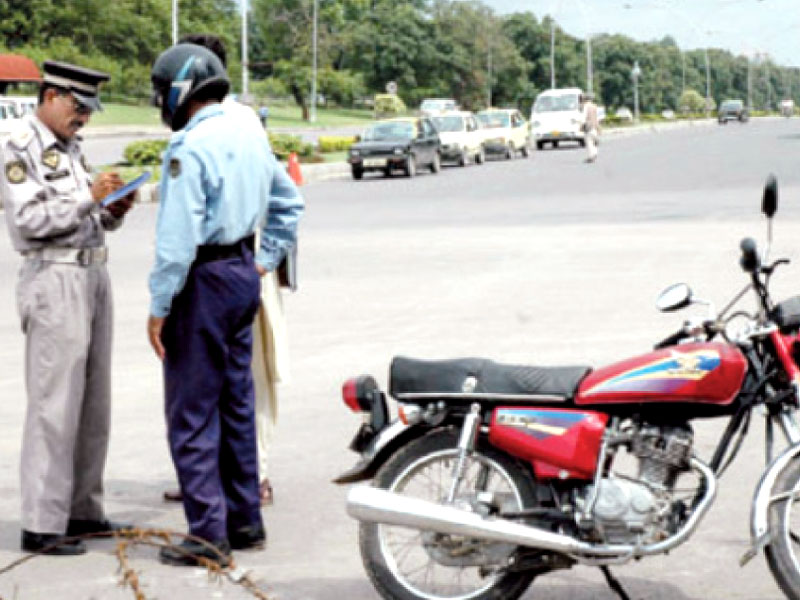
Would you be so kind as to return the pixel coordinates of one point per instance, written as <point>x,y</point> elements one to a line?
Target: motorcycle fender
<point>379,449</point>
<point>762,498</point>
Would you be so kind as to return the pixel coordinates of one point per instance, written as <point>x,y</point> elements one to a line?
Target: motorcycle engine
<point>630,509</point>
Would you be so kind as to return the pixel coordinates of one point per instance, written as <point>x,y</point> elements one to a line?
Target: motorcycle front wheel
<point>409,564</point>
<point>783,551</point>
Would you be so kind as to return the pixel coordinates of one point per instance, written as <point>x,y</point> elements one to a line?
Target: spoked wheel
<point>408,564</point>
<point>783,551</point>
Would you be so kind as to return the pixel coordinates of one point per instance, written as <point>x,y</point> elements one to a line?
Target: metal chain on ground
<point>158,538</point>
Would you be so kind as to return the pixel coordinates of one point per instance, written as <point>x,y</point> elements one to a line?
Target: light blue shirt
<point>219,182</point>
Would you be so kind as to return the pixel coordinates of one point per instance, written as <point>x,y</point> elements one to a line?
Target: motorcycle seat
<point>481,379</point>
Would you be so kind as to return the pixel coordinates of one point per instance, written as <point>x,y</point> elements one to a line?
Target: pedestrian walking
<point>57,222</point>
<point>220,176</point>
<point>591,126</point>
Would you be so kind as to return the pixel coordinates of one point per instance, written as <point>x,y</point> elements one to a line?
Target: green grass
<point>280,116</point>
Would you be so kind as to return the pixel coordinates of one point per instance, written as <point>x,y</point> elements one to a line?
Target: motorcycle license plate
<point>374,162</point>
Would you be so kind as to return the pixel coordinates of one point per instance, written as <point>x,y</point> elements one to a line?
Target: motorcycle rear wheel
<point>783,551</point>
<point>402,563</point>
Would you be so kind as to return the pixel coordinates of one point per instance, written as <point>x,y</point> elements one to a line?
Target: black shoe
<point>52,544</point>
<point>248,538</point>
<point>103,527</point>
<point>186,554</point>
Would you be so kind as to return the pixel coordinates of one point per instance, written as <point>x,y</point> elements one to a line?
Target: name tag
<point>56,175</point>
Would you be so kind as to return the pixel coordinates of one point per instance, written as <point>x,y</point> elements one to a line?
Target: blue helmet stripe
<point>175,91</point>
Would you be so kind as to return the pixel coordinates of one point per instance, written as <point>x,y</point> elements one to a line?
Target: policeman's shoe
<point>101,528</point>
<point>52,544</point>
<point>191,554</point>
<point>252,537</point>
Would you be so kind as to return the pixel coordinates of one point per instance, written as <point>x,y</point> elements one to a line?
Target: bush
<point>388,105</point>
<point>334,143</point>
<point>284,144</point>
<point>145,152</point>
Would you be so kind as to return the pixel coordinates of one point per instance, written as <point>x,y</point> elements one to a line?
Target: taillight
<point>349,395</point>
<point>359,393</point>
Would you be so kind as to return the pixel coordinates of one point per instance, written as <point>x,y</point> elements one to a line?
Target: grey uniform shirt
<point>46,192</point>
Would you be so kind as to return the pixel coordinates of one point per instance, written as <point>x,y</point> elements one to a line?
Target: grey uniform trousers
<point>66,313</point>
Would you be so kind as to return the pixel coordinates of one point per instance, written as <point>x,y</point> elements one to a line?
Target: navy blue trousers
<point>209,396</point>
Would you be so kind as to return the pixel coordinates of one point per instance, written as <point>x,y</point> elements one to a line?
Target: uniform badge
<point>51,158</point>
<point>16,171</point>
<point>174,167</point>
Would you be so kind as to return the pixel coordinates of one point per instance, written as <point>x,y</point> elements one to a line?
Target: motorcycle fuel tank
<point>703,373</point>
<point>558,442</point>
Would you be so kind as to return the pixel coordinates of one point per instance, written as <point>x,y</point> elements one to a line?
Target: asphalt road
<point>541,261</point>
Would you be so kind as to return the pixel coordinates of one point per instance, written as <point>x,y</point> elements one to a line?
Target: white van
<point>556,117</point>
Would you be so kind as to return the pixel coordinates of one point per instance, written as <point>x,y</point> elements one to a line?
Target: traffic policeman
<point>56,221</point>
<point>218,177</point>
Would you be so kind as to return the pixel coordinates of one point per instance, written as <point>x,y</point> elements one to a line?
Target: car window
<point>494,119</point>
<point>552,103</point>
<point>389,131</point>
<point>450,123</point>
<point>428,128</point>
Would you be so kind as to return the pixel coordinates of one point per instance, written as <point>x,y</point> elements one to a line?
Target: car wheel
<point>582,142</point>
<point>436,165</point>
<point>357,172</point>
<point>540,145</point>
<point>510,151</point>
<point>411,166</point>
<point>462,160</point>
<point>526,151</point>
<point>555,144</point>
<point>480,157</point>
<point>387,172</point>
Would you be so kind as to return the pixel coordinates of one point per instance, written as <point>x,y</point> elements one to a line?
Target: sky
<point>744,27</point>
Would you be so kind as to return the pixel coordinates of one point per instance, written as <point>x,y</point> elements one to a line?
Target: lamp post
<point>635,72</point>
<point>174,22</point>
<point>313,115</point>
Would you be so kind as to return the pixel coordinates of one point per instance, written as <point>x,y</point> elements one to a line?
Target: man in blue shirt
<point>218,185</point>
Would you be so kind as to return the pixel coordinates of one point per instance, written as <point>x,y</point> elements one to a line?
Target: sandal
<point>265,490</point>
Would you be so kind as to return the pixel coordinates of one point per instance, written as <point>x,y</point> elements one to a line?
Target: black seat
<point>479,378</point>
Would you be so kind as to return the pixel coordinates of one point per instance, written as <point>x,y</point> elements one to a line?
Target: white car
<point>557,116</point>
<point>505,131</point>
<point>461,137</point>
<point>431,107</point>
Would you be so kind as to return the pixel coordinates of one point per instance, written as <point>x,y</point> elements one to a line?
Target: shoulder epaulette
<point>21,138</point>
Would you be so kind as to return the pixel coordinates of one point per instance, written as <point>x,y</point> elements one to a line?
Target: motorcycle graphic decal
<point>664,375</point>
<point>539,424</point>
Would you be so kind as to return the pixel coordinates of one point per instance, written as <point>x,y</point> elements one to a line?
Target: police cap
<point>83,83</point>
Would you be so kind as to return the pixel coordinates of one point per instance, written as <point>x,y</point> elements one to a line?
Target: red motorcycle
<point>493,474</point>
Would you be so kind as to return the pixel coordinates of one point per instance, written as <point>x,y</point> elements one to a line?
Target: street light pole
<point>635,72</point>
<point>552,53</point>
<point>245,61</point>
<point>313,116</point>
<point>174,22</point>
<point>589,67</point>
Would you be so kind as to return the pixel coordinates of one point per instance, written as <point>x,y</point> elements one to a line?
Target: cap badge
<point>51,158</point>
<point>16,171</point>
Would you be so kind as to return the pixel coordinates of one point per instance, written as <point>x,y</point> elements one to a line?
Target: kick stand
<point>614,583</point>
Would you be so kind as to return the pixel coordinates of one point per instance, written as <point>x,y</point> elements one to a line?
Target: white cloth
<point>270,365</point>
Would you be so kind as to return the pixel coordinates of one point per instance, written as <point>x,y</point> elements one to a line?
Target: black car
<point>732,110</point>
<point>403,143</point>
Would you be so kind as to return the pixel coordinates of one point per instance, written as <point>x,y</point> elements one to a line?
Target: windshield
<point>732,105</point>
<point>553,103</point>
<point>449,123</point>
<point>497,119</point>
<point>389,131</point>
<point>436,104</point>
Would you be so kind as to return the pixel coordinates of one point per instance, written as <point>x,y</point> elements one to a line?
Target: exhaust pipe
<point>371,504</point>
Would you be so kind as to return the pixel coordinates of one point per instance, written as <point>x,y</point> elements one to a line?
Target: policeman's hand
<point>261,270</point>
<point>120,207</point>
<point>154,327</point>
<point>104,184</point>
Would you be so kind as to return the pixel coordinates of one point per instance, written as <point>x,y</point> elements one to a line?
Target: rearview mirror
<point>675,297</point>
<point>769,203</point>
